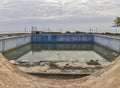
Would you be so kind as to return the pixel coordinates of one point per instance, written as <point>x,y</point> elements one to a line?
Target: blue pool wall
<point>70,38</point>
<point>106,41</point>
<point>10,43</point>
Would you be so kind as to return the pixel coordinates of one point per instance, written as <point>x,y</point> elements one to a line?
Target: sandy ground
<point>12,77</point>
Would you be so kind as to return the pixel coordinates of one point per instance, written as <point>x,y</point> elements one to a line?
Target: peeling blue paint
<point>43,38</point>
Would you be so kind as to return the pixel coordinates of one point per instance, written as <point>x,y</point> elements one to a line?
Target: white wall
<point>108,41</point>
<point>9,43</point>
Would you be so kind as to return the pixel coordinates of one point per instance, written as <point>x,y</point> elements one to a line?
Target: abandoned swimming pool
<point>73,55</point>
<point>78,59</point>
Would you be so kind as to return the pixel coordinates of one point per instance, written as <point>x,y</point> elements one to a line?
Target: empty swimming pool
<point>61,58</point>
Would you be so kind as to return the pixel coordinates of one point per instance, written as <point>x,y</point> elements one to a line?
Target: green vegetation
<point>117,22</point>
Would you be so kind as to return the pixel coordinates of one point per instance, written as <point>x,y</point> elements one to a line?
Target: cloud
<point>59,11</point>
<point>50,8</point>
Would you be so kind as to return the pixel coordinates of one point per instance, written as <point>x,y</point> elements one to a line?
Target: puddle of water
<point>63,58</point>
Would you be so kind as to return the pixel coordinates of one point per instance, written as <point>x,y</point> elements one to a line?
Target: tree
<point>117,22</point>
<point>68,32</point>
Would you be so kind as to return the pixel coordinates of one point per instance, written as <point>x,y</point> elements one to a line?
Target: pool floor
<point>63,58</point>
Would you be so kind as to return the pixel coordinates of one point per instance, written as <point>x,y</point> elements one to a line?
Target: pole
<point>25,30</point>
<point>90,29</point>
<point>96,29</point>
<point>60,30</point>
<point>116,30</point>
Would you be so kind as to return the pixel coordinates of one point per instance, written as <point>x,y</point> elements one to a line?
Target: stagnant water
<point>61,58</point>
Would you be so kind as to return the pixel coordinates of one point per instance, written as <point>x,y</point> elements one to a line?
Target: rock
<point>13,62</point>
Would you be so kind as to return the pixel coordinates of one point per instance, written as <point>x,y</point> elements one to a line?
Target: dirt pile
<point>12,77</point>
<point>108,77</point>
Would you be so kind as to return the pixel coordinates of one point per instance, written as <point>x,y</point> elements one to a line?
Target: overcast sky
<point>64,15</point>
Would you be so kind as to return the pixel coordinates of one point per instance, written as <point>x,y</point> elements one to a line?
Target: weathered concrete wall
<point>18,52</point>
<point>42,38</point>
<point>108,41</point>
<point>108,54</point>
<point>9,43</point>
